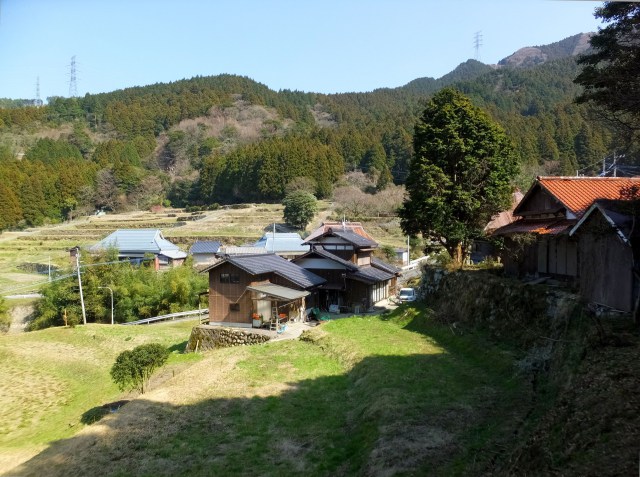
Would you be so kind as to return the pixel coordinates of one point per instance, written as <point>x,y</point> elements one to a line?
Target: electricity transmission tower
<point>477,43</point>
<point>38,101</point>
<point>73,82</point>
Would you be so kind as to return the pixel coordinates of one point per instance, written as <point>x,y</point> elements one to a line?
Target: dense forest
<point>228,138</point>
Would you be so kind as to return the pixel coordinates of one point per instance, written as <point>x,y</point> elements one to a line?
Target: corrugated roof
<point>578,193</point>
<point>135,240</point>
<point>284,242</point>
<point>173,254</point>
<point>272,263</point>
<point>247,250</point>
<point>278,291</point>
<point>205,246</point>
<point>355,227</point>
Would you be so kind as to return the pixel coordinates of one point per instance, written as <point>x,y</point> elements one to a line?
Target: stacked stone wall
<point>206,337</point>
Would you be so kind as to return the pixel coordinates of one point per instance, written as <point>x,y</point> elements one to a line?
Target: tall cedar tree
<point>460,176</point>
<point>611,71</point>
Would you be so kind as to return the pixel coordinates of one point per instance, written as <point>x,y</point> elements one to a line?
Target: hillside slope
<point>360,396</point>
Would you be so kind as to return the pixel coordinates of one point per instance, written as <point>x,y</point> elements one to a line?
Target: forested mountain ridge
<point>185,140</point>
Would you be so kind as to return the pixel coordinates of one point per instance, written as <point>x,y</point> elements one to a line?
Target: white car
<point>407,294</point>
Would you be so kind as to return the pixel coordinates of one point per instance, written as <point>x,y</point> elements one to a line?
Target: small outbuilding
<point>608,240</point>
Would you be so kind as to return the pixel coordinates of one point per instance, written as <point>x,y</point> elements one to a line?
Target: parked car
<point>407,294</point>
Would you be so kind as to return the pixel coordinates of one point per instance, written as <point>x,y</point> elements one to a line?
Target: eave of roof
<point>608,215</point>
<point>550,226</point>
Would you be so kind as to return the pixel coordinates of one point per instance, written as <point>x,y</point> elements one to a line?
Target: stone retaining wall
<point>206,337</point>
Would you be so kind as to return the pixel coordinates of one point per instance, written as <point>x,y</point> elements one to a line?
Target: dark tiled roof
<point>354,238</point>
<point>318,250</point>
<point>205,246</point>
<point>271,263</point>
<point>387,267</point>
<point>370,274</point>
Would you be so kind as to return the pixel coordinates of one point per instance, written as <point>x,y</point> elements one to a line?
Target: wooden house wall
<point>558,256</point>
<point>539,202</point>
<point>222,295</point>
<point>606,274</point>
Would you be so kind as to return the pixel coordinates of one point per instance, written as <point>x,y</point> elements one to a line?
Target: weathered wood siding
<point>606,262</point>
<point>222,295</point>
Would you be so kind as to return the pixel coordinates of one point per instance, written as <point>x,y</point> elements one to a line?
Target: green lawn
<point>389,395</point>
<point>50,378</point>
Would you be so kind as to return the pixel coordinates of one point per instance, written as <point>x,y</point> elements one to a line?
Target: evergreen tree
<point>460,176</point>
<point>611,71</point>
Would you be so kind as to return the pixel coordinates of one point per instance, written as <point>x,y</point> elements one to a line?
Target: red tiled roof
<point>578,193</point>
<point>551,226</point>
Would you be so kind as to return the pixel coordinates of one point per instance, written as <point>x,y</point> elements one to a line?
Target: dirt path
<point>19,318</point>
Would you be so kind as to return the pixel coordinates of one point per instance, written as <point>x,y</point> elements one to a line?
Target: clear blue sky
<point>324,46</point>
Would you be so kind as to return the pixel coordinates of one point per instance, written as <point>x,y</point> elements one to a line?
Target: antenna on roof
<point>273,242</point>
<point>344,220</point>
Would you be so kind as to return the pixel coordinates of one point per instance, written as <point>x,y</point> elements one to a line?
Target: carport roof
<point>278,291</point>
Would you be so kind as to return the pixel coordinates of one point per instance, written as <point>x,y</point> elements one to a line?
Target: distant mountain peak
<point>535,55</point>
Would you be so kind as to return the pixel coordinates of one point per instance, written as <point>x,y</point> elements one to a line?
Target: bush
<point>299,208</point>
<point>133,369</point>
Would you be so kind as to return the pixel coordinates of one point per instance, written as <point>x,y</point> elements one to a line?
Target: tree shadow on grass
<point>178,347</point>
<point>411,414</point>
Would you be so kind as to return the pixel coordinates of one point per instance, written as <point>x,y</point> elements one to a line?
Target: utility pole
<point>84,313</point>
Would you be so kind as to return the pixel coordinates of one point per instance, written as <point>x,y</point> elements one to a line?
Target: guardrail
<point>170,316</point>
<point>413,264</point>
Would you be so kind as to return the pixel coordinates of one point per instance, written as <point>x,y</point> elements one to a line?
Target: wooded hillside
<point>228,138</point>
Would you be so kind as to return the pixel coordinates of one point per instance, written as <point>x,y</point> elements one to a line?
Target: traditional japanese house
<point>136,244</point>
<point>266,285</point>
<point>538,242</point>
<point>342,254</point>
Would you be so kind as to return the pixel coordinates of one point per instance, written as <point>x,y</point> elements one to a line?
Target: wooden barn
<point>609,247</point>
<point>539,242</point>
<point>263,284</point>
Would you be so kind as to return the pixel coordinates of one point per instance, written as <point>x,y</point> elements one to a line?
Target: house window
<point>234,306</point>
<point>229,278</point>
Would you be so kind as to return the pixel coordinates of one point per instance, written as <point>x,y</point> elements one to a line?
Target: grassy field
<point>51,378</point>
<point>379,395</point>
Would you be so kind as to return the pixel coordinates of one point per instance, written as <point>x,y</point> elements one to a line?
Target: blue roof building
<point>286,245</point>
<point>136,243</point>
